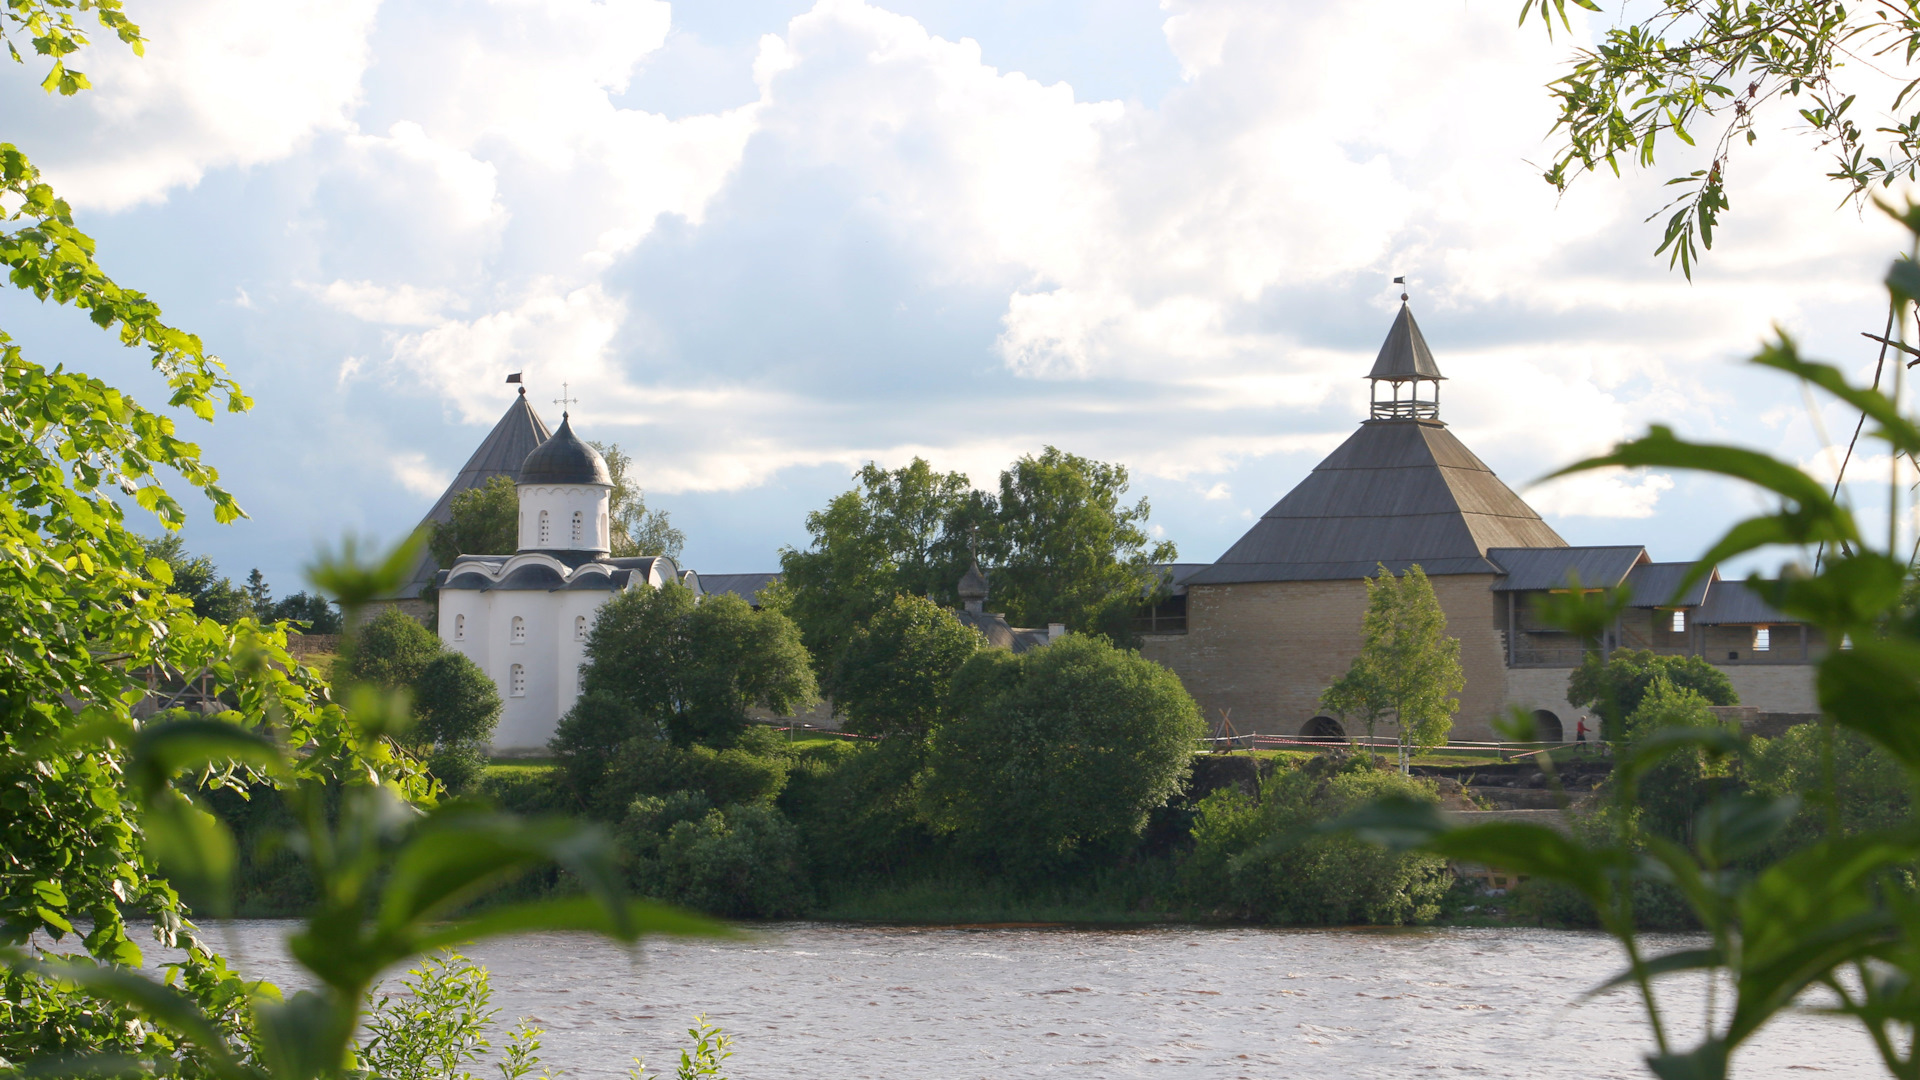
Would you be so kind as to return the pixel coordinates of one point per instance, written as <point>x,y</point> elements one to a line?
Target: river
<point>841,1002</point>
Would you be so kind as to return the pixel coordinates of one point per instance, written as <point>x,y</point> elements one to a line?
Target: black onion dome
<point>565,459</point>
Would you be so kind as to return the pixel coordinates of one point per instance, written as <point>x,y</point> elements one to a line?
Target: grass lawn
<point>519,766</point>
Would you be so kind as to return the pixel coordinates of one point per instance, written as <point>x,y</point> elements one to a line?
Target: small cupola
<point>1405,365</point>
<point>565,496</point>
<point>565,459</point>
<point>973,589</point>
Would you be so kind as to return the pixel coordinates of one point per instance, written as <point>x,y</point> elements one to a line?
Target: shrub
<point>853,804</point>
<point>455,708</point>
<point>1615,688</point>
<point>1058,750</point>
<point>390,650</point>
<point>1673,791</point>
<point>742,861</point>
<point>1256,856</point>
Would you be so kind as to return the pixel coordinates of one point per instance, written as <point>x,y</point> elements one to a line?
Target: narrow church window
<point>519,628</point>
<point>579,527</point>
<point>579,628</point>
<point>1679,622</point>
<point>1762,638</point>
<point>546,528</point>
<point>459,628</point>
<point>518,680</point>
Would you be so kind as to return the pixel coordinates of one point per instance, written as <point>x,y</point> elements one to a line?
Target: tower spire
<point>1406,366</point>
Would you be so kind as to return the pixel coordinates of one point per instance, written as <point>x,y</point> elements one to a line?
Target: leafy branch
<point>1713,66</point>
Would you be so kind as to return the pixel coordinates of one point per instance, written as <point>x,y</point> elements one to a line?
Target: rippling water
<point>844,1002</point>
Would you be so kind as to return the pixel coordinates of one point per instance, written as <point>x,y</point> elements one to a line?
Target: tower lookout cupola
<point>1405,365</point>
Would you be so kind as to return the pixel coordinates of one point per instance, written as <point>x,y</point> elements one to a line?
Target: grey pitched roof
<point>1733,603</point>
<point>1653,585</point>
<point>999,634</point>
<point>1533,569</point>
<point>1397,492</point>
<point>1177,575</point>
<point>744,586</point>
<point>1404,355</point>
<point>565,459</point>
<point>501,453</point>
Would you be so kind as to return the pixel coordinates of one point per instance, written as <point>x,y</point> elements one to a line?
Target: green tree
<point>391,650</point>
<point>1710,74</point>
<point>485,521</point>
<point>1614,687</point>
<point>455,708</point>
<point>663,664</point>
<point>259,596</point>
<point>896,673</point>
<point>636,529</point>
<point>195,578</point>
<point>1057,751</point>
<point>901,532</point>
<point>312,609</point>
<point>1408,667</point>
<point>1067,550</point>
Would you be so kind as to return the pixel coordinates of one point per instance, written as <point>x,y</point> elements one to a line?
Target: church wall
<point>1267,650</point>
<point>550,655</point>
<point>561,502</point>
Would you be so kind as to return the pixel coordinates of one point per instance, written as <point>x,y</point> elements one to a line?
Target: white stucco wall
<point>550,653</point>
<point>560,503</point>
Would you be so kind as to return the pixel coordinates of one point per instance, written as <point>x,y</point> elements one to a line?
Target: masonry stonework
<point>1262,652</point>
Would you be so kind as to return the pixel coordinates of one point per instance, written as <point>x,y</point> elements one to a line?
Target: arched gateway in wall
<point>1323,727</point>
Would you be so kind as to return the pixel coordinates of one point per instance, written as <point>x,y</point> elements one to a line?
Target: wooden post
<point>1512,650</point>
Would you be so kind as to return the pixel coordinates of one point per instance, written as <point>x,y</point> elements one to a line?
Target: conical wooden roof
<point>1404,355</point>
<point>519,432</point>
<point>1396,492</point>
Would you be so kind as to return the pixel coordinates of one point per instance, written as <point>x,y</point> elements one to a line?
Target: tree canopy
<point>1058,543</point>
<point>636,529</point>
<point>485,521</point>
<point>662,664</point>
<point>898,670</point>
<point>1067,549</point>
<point>1408,667</point>
<point>199,582</point>
<point>900,532</point>
<point>1615,687</point>
<point>1057,751</point>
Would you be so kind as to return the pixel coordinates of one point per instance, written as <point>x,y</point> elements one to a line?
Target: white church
<point>524,617</point>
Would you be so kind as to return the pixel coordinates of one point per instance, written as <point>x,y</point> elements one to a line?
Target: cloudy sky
<point>767,241</point>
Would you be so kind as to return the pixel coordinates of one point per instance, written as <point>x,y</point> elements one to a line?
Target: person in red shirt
<point>1580,733</point>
